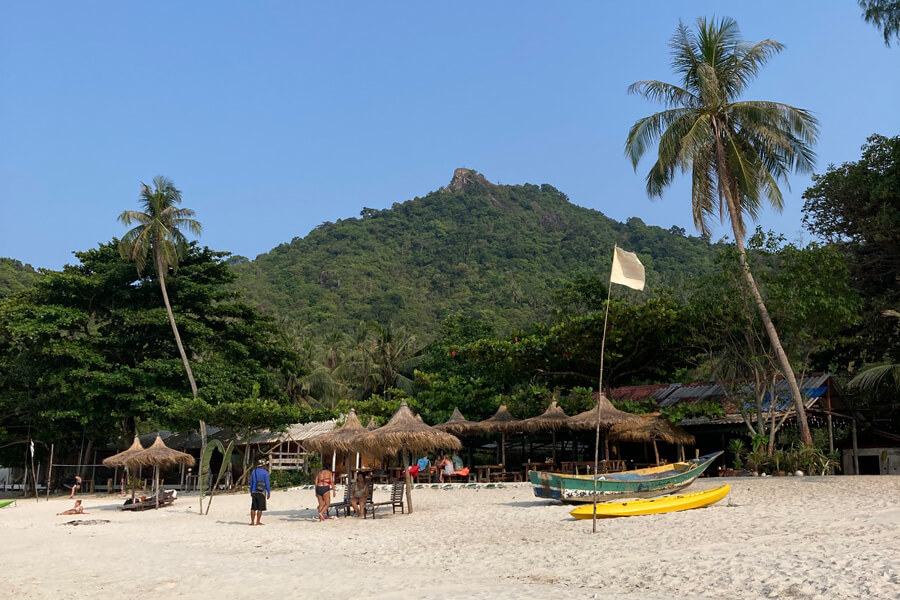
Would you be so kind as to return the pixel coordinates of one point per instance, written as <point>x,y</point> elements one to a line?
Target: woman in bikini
<point>324,492</point>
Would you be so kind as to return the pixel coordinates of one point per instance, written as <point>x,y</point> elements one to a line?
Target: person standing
<point>324,492</point>
<point>260,491</point>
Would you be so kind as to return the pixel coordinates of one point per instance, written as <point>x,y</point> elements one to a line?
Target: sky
<point>275,117</point>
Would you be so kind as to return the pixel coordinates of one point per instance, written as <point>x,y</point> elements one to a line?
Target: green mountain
<point>489,251</point>
<point>14,276</point>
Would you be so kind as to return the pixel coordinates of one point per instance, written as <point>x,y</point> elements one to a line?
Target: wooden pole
<point>49,472</point>
<point>600,391</point>
<point>656,452</point>
<point>33,472</point>
<point>855,447</point>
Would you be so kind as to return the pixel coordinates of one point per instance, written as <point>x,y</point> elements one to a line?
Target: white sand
<point>797,538</point>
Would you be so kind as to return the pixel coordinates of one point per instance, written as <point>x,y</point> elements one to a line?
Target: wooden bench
<point>396,501</point>
<point>506,476</point>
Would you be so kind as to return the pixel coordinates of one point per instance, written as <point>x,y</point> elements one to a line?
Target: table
<point>484,471</point>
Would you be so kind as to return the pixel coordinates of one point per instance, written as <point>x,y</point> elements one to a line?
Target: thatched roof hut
<point>122,458</point>
<point>651,428</point>
<point>608,414</point>
<point>343,439</point>
<point>160,455</point>
<point>501,422</point>
<point>552,419</point>
<point>457,424</point>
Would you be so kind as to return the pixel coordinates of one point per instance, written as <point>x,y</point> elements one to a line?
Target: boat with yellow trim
<point>651,506</point>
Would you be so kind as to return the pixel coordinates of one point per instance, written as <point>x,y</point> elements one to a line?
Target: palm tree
<point>159,232</point>
<point>736,151</point>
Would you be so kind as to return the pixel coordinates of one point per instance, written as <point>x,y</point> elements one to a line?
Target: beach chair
<point>396,501</point>
<point>343,505</point>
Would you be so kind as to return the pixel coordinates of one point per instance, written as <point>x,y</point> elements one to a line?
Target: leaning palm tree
<point>737,151</point>
<point>159,233</point>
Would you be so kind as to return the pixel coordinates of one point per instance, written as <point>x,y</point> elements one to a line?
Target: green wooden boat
<point>640,483</point>
<point>5,503</point>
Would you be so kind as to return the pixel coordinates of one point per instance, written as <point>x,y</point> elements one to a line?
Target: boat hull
<point>653,506</point>
<point>641,483</point>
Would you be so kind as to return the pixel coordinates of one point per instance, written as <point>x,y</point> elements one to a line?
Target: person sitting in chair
<point>358,493</point>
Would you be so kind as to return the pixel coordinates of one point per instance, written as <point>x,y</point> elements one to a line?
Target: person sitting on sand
<point>358,493</point>
<point>78,510</point>
<point>324,492</point>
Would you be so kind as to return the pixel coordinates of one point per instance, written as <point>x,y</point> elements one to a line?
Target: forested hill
<point>14,276</point>
<point>489,251</point>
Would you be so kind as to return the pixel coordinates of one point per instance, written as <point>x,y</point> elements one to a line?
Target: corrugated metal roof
<point>294,433</point>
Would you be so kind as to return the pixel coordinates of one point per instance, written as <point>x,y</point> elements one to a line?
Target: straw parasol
<point>159,456</point>
<point>407,433</point>
<point>122,458</point>
<point>372,425</point>
<point>554,419</point>
<point>607,414</point>
<point>502,422</point>
<point>457,424</point>
<point>343,439</point>
<point>651,428</point>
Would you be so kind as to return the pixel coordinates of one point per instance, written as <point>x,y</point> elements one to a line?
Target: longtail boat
<point>640,483</point>
<point>653,506</point>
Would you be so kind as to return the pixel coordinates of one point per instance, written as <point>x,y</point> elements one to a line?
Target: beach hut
<point>604,415</point>
<point>553,419</point>
<point>159,456</point>
<point>503,423</point>
<point>651,428</point>
<point>405,433</point>
<point>121,460</point>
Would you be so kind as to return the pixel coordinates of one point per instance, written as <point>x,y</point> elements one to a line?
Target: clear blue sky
<point>274,117</point>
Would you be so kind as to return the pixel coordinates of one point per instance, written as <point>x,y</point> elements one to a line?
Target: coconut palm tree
<point>737,151</point>
<point>159,233</point>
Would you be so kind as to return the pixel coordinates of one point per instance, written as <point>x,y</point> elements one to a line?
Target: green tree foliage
<point>489,252</point>
<point>14,276</point>
<point>856,208</point>
<point>884,14</point>
<point>88,350</point>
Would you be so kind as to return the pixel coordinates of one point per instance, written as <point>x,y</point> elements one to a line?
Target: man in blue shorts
<point>260,491</point>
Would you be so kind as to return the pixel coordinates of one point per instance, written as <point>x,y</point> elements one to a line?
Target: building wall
<point>888,460</point>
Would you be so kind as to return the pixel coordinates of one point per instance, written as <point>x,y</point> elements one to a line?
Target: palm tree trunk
<point>187,366</point>
<point>783,361</point>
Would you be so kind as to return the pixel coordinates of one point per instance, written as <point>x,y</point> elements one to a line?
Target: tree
<point>160,233</point>
<point>884,14</point>
<point>737,151</point>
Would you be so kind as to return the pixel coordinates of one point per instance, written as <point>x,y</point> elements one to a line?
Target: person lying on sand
<point>78,510</point>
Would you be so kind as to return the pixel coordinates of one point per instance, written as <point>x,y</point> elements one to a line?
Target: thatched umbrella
<point>345,439</point>
<point>406,433</point>
<point>122,459</point>
<point>457,424</point>
<point>554,419</point>
<point>502,422</point>
<point>159,455</point>
<point>372,425</point>
<point>606,414</point>
<point>651,428</point>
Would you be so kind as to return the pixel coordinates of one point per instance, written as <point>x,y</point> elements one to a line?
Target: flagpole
<point>600,391</point>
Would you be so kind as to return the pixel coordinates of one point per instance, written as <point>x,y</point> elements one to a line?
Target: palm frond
<point>872,377</point>
<point>664,93</point>
<point>646,131</point>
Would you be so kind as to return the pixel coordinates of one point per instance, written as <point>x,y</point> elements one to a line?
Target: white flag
<point>627,269</point>
<point>31,444</point>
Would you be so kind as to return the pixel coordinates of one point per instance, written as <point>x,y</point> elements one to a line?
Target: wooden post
<point>855,447</point>
<point>34,472</point>
<point>49,472</point>
<point>656,452</point>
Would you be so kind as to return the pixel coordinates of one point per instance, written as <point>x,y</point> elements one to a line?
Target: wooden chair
<point>396,501</point>
<point>344,505</point>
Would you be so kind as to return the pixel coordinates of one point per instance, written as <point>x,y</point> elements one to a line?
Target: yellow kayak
<point>652,506</point>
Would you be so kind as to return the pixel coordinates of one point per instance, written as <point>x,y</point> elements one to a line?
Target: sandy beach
<point>798,538</point>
